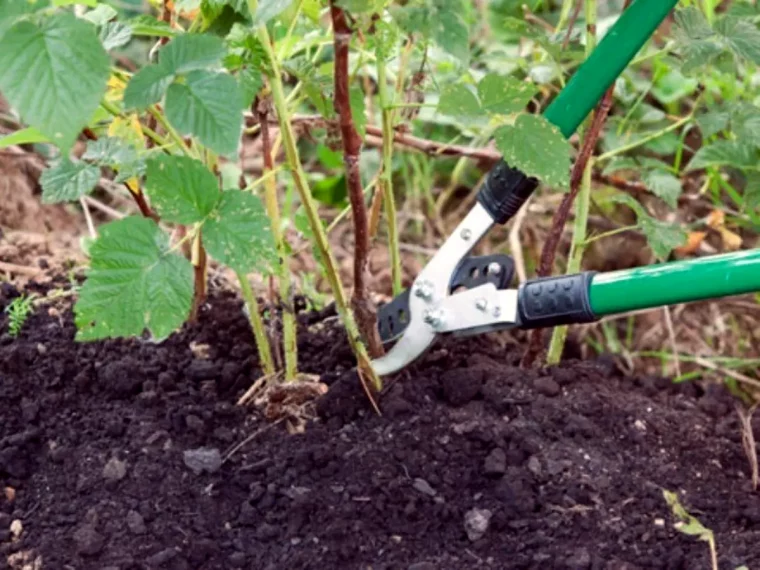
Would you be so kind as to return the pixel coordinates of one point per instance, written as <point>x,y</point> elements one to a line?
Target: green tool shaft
<point>613,54</point>
<point>676,282</point>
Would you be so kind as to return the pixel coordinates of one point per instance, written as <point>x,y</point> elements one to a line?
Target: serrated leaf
<point>144,25</point>
<point>725,153</point>
<point>114,35</point>
<point>661,236</point>
<point>134,283</point>
<point>238,233</point>
<point>11,10</point>
<point>741,36</point>
<point>663,185</point>
<point>209,106</point>
<point>451,32</point>
<point>147,86</point>
<point>745,121</point>
<point>109,151</point>
<point>181,189</point>
<point>269,9</point>
<point>54,72</point>
<point>68,181</point>
<point>712,122</point>
<point>190,52</point>
<point>505,95</point>
<point>439,20</point>
<point>459,101</point>
<point>537,148</point>
<point>251,81</point>
<point>101,14</point>
<point>29,135</point>
<point>693,24</point>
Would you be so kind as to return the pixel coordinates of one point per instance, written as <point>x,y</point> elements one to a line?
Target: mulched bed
<point>110,459</point>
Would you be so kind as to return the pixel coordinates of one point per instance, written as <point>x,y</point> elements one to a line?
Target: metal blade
<point>474,271</point>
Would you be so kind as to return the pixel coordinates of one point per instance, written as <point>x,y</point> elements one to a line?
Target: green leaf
<point>28,135</point>
<point>440,20</point>
<point>662,236</point>
<point>358,110</point>
<point>741,37</point>
<point>238,233</point>
<point>68,181</point>
<point>114,35</point>
<point>663,185</point>
<point>269,9</point>
<point>712,122</point>
<point>504,95</point>
<point>251,81</point>
<point>361,6</point>
<point>11,10</point>
<point>147,86</point>
<point>134,283</point>
<point>208,105</point>
<point>144,25</point>
<point>54,72</point>
<point>181,189</point>
<point>110,151</point>
<point>745,121</point>
<point>459,101</point>
<point>725,153</point>
<point>190,52</point>
<point>536,147</point>
<point>102,14</point>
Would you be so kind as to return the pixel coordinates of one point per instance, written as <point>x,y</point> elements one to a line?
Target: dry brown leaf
<point>10,494</point>
<point>731,240</point>
<point>692,244</point>
<point>716,219</point>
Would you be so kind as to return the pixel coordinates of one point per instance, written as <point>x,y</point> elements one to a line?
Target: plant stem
<point>640,142</point>
<point>364,309</point>
<point>312,213</point>
<point>289,339</point>
<point>257,325</point>
<point>385,182</point>
<point>171,131</point>
<point>557,344</point>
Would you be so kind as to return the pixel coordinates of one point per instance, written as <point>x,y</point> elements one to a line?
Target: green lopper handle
<point>613,54</point>
<point>506,189</point>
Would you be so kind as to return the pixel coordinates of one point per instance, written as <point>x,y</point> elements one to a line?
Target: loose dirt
<point>115,455</point>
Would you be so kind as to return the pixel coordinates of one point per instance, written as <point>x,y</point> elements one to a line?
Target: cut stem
<point>312,213</point>
<point>257,325</point>
<point>364,309</point>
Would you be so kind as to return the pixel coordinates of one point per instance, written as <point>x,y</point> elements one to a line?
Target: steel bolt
<point>424,290</point>
<point>466,234</point>
<point>481,304</point>
<point>494,268</point>
<point>497,312</point>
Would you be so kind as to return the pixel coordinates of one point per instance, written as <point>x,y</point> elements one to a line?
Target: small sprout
<point>690,525</point>
<point>18,312</point>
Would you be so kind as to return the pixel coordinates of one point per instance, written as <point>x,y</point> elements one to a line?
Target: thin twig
<point>6,267</point>
<point>88,218</point>
<point>515,245</point>
<point>107,210</point>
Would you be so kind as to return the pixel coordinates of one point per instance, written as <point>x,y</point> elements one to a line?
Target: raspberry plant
<point>157,101</point>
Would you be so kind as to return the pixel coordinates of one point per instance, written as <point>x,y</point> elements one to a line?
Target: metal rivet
<point>494,268</point>
<point>466,234</point>
<point>481,304</point>
<point>497,312</point>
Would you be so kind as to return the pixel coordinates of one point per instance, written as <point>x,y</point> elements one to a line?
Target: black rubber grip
<point>505,191</point>
<point>554,301</point>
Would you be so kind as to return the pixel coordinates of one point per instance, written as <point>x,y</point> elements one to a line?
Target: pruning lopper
<point>467,295</point>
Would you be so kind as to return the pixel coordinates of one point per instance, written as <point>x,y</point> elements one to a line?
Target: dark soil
<point>110,452</point>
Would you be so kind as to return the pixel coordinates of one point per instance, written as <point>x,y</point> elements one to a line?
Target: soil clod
<point>203,460</point>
